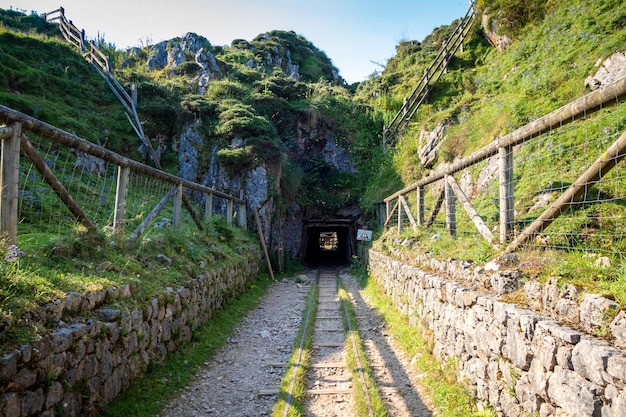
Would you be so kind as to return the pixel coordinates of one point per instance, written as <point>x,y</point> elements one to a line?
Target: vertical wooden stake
<point>229,212</point>
<point>243,216</point>
<point>9,176</point>
<point>208,206</point>
<point>505,159</point>
<point>399,216</point>
<point>121,194</point>
<point>450,208</point>
<point>260,229</point>
<point>420,206</point>
<point>178,206</point>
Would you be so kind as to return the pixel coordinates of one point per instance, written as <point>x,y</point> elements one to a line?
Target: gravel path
<point>250,363</point>
<point>243,378</point>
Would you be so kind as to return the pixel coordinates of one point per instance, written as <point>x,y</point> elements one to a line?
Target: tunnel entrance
<point>328,243</point>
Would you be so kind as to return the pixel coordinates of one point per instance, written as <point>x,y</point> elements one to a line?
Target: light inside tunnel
<point>328,243</point>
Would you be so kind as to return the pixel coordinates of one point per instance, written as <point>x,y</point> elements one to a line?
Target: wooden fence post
<point>450,208</point>
<point>243,219</point>
<point>507,212</point>
<point>178,206</point>
<point>9,176</point>
<point>229,212</point>
<point>121,195</point>
<point>208,205</point>
<point>399,216</point>
<point>420,206</point>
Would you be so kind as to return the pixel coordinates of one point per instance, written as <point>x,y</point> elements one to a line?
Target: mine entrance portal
<point>331,243</point>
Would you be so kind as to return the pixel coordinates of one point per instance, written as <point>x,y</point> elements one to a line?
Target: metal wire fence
<point>544,171</point>
<point>70,183</point>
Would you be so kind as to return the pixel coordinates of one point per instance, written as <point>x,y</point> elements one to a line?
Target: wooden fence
<point>431,75</point>
<point>101,63</point>
<point>397,205</point>
<point>14,140</point>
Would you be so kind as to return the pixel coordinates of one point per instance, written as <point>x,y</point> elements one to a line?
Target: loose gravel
<point>243,378</point>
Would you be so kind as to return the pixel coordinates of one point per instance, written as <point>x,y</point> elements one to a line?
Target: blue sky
<point>357,35</point>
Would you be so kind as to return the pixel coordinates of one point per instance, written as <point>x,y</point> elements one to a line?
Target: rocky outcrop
<point>172,53</point>
<point>609,71</point>
<point>518,360</point>
<point>490,28</point>
<point>85,363</point>
<point>431,141</point>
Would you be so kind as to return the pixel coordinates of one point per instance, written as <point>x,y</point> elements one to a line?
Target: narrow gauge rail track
<point>330,383</point>
<point>352,368</point>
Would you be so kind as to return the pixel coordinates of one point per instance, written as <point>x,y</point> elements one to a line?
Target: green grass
<point>78,261</point>
<point>445,393</point>
<point>148,396</point>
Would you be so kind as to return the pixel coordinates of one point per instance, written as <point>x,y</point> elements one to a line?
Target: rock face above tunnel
<point>282,223</point>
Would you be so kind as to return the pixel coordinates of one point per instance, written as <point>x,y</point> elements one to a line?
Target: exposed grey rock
<point>73,301</point>
<point>505,281</point>
<point>490,27</point>
<point>574,394</point>
<point>596,311</point>
<point>108,314</point>
<point>611,70</point>
<point>93,299</point>
<point>431,141</point>
<point>338,157</point>
<point>10,405</point>
<point>590,359</point>
<point>618,329</point>
<point>257,187</point>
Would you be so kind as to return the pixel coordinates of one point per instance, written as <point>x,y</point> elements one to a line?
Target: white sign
<point>364,235</point>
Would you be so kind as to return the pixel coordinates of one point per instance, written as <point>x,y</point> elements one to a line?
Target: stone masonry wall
<point>84,365</point>
<point>518,360</point>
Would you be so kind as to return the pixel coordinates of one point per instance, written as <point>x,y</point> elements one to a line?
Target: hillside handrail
<point>73,141</point>
<point>101,64</point>
<point>582,106</point>
<point>12,139</point>
<point>431,75</point>
<point>503,147</point>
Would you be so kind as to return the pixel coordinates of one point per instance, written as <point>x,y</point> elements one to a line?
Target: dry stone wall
<point>518,360</point>
<point>84,365</point>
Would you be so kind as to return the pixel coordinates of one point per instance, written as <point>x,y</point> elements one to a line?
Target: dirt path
<point>240,379</point>
<point>250,363</point>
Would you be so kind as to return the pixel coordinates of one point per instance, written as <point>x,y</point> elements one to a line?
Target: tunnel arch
<point>331,242</point>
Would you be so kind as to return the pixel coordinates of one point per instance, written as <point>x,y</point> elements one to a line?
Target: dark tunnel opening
<point>329,243</point>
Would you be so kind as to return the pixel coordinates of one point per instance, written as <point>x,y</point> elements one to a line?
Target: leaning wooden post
<point>178,206</point>
<point>420,206</point>
<point>121,194</point>
<point>208,206</point>
<point>450,208</point>
<point>242,211</point>
<point>263,245</point>
<point>399,216</point>
<point>9,176</point>
<point>505,160</point>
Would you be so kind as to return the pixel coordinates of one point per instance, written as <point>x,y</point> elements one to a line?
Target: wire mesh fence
<point>62,182</point>
<point>544,169</point>
<point>92,183</point>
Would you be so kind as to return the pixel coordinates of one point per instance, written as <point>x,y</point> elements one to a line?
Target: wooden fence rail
<point>102,65</point>
<point>431,76</point>
<point>13,139</point>
<point>503,148</point>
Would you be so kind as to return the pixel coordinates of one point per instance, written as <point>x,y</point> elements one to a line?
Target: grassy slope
<point>487,94</point>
